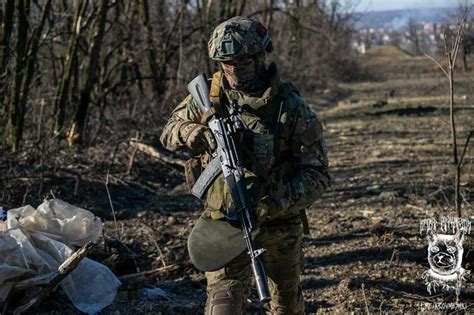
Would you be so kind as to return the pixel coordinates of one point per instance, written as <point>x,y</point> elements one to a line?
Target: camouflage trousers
<point>229,287</point>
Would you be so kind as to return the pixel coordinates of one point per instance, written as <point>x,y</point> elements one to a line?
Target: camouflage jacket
<point>293,170</point>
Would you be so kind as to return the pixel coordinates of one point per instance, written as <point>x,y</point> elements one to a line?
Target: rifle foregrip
<point>261,281</point>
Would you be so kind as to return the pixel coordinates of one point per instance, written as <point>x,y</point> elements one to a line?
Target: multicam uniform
<point>286,158</point>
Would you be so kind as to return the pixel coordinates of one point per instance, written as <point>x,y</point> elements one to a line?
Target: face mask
<point>242,75</point>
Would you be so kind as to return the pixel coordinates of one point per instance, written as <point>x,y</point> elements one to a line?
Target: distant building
<point>429,27</point>
<point>360,47</point>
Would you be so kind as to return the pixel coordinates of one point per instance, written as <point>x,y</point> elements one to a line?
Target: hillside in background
<point>398,19</point>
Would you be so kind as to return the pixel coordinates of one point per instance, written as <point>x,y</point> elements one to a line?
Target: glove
<point>197,137</point>
<point>268,208</point>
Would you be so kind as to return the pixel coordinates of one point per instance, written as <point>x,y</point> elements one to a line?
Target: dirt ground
<point>389,152</point>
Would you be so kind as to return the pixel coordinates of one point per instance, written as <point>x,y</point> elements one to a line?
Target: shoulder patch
<point>312,134</point>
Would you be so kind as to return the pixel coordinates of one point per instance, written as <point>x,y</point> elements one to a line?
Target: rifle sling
<point>304,221</point>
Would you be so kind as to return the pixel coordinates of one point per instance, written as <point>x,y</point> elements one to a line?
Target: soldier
<point>286,170</point>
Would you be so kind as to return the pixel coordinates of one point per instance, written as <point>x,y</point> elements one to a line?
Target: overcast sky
<point>381,5</point>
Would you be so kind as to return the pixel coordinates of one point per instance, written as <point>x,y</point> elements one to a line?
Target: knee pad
<point>224,302</point>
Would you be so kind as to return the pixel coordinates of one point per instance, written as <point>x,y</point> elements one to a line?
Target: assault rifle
<point>226,130</point>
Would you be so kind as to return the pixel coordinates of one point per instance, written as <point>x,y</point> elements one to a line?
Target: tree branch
<point>438,64</point>
<point>156,154</point>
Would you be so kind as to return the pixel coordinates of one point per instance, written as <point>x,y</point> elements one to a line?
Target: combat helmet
<point>237,38</point>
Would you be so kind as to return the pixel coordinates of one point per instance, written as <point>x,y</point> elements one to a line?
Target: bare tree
<point>70,58</point>
<point>313,41</point>
<point>159,65</point>
<point>467,44</point>
<point>6,27</point>
<point>76,131</point>
<point>31,59</point>
<point>467,41</point>
<point>157,81</point>
<point>84,55</point>
<point>451,56</point>
<point>16,111</point>
<point>415,36</point>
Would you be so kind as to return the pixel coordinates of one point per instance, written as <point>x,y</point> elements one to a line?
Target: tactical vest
<point>266,147</point>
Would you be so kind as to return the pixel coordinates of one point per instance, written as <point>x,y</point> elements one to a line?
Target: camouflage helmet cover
<point>237,38</point>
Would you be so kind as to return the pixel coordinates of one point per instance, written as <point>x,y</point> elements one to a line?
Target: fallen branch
<point>51,280</point>
<point>144,275</point>
<point>154,152</point>
<point>412,296</point>
<point>395,251</point>
<point>119,235</point>
<point>365,299</point>
<point>153,237</point>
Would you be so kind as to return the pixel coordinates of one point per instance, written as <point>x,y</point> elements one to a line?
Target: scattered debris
<point>156,153</point>
<point>37,248</point>
<point>144,275</point>
<point>380,103</point>
<point>45,284</point>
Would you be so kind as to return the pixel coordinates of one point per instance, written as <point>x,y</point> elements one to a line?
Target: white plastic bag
<point>36,242</point>
<point>58,219</point>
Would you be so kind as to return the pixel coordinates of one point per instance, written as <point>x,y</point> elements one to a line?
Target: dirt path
<point>390,157</point>
<point>391,169</point>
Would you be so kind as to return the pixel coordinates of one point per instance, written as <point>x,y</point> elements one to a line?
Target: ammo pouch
<point>192,171</point>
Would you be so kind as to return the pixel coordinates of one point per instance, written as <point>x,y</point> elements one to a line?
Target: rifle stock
<point>199,90</point>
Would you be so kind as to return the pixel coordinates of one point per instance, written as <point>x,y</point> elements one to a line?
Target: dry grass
<point>391,168</point>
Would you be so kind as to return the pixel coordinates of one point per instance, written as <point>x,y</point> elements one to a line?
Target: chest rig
<point>264,145</point>
<point>272,120</point>
<point>261,143</point>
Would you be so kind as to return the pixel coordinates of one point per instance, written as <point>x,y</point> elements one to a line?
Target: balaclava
<point>248,75</point>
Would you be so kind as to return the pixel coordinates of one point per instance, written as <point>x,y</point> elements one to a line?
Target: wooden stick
<point>156,154</point>
<point>153,238</point>
<point>365,299</point>
<point>132,157</point>
<point>119,236</point>
<point>144,274</point>
<point>40,120</point>
<point>50,280</point>
<point>391,259</point>
<point>411,295</point>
